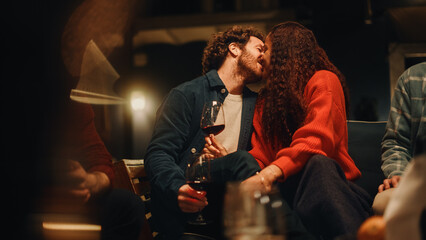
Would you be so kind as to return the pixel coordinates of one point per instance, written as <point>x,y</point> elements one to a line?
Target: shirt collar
<point>214,79</point>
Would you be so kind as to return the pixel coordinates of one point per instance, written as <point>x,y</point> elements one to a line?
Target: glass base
<point>199,221</point>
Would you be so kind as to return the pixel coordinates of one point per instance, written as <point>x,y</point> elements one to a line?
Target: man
<point>406,125</point>
<point>231,60</point>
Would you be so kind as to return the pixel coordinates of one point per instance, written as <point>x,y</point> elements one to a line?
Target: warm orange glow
<point>71,226</point>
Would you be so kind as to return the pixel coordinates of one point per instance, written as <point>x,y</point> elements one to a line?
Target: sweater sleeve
<point>326,113</point>
<point>396,144</point>
<point>170,135</point>
<point>90,150</point>
<point>261,151</point>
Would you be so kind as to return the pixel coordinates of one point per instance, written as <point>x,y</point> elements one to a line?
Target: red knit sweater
<point>325,131</point>
<point>82,141</point>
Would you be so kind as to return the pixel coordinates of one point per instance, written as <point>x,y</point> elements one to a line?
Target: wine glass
<point>198,177</point>
<point>251,214</point>
<point>212,118</point>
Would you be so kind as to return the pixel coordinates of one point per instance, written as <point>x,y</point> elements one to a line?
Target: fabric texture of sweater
<point>324,132</point>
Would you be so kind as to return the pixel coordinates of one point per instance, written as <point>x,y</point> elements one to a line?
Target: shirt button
<point>223,90</point>
<point>193,150</point>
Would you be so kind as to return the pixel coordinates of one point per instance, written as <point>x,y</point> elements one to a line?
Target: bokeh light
<point>137,101</point>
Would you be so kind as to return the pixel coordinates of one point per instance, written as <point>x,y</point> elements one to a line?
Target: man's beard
<point>247,65</point>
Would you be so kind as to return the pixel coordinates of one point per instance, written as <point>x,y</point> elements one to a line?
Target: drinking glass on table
<point>251,214</point>
<point>198,177</point>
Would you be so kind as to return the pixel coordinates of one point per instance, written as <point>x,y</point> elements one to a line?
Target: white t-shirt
<point>232,107</point>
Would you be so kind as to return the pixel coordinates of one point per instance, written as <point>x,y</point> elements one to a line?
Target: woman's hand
<point>263,180</point>
<point>256,182</point>
<point>213,148</point>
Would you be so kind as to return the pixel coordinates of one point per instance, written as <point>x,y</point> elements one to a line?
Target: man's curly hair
<point>295,57</point>
<point>217,48</point>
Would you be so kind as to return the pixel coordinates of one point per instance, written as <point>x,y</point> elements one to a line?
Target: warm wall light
<point>137,101</point>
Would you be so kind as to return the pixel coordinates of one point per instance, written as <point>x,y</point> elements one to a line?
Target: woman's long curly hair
<point>295,57</point>
<point>217,48</point>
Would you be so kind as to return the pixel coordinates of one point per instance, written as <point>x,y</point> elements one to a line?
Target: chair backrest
<point>130,174</point>
<point>364,143</point>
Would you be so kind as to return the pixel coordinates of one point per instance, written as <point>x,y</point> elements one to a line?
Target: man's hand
<point>190,200</point>
<point>389,183</point>
<point>213,148</point>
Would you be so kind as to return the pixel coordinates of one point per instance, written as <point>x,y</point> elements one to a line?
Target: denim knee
<point>319,162</point>
<point>245,165</point>
<point>323,166</point>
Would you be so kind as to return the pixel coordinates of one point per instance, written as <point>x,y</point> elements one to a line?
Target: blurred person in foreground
<point>406,125</point>
<point>300,137</point>
<point>84,177</point>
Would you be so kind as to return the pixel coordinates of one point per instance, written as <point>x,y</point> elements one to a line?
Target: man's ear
<point>234,49</point>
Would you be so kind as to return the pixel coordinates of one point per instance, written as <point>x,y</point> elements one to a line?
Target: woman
<point>300,135</point>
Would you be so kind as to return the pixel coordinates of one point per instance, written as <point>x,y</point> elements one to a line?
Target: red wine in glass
<point>215,129</point>
<point>212,118</point>
<point>198,177</point>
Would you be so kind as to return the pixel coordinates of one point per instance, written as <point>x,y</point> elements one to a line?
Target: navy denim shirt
<point>177,134</point>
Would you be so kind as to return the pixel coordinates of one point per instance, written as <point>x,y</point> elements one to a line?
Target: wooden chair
<point>130,174</point>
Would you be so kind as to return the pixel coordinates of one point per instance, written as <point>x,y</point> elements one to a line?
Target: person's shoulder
<point>191,85</point>
<point>413,77</point>
<point>187,91</point>
<point>324,78</point>
<point>325,74</point>
<point>418,70</point>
